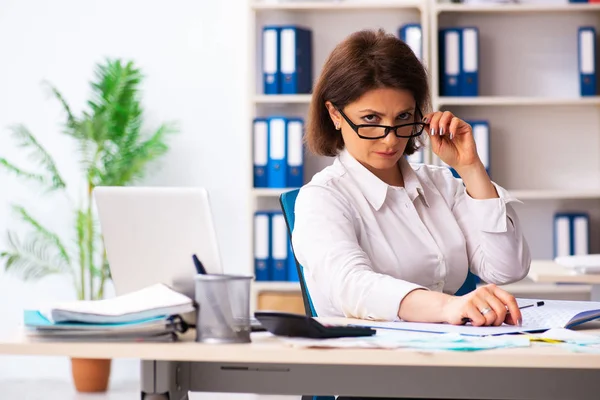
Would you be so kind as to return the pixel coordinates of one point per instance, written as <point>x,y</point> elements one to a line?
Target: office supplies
<point>154,301</point>
<point>224,311</point>
<point>450,61</point>
<point>296,60</point>
<point>288,324</point>
<point>260,152</point>
<point>271,60</point>
<point>536,304</point>
<point>582,264</point>
<point>279,248</point>
<point>571,234</point>
<point>151,232</point>
<point>412,35</point>
<point>277,163</point>
<point>554,314</point>
<point>199,267</point>
<point>262,245</point>
<point>151,329</point>
<point>469,74</point>
<point>295,152</point>
<point>587,60</point>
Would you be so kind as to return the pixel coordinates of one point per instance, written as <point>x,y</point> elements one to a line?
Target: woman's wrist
<point>477,181</point>
<point>424,306</point>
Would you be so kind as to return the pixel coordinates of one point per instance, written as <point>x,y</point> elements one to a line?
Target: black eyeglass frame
<point>388,128</point>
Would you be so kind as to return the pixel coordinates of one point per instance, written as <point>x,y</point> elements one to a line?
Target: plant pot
<point>90,374</point>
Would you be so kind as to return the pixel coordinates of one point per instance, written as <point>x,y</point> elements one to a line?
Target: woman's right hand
<point>502,307</point>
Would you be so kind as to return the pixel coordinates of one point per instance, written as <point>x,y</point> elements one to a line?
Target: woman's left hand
<point>451,139</point>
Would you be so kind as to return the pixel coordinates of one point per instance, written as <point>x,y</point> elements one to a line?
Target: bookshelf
<point>545,138</point>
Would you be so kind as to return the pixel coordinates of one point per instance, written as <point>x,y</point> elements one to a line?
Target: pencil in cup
<point>536,304</point>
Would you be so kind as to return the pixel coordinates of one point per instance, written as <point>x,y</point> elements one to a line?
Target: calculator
<point>297,325</point>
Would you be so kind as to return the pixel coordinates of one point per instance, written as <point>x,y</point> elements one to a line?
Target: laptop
<point>151,233</point>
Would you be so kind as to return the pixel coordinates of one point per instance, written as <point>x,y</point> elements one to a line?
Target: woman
<point>380,239</point>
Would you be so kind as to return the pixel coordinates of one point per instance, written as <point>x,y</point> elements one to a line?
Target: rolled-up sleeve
<point>325,243</point>
<point>497,250</point>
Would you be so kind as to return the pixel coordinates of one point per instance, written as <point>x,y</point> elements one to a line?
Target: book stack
<point>150,314</point>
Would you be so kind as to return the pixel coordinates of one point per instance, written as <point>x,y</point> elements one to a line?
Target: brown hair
<point>364,61</point>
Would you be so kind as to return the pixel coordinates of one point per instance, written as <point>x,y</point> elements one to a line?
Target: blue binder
<point>450,61</point>
<point>412,35</point>
<point>262,245</point>
<point>295,152</point>
<point>481,135</point>
<point>296,60</point>
<point>279,247</point>
<point>261,152</point>
<point>292,271</point>
<point>571,234</point>
<point>277,163</point>
<point>587,60</point>
<point>469,74</point>
<point>271,60</point>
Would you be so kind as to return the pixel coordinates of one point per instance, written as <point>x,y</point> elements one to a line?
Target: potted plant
<point>113,151</point>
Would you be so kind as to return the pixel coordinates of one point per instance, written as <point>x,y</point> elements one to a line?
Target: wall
<point>194,62</point>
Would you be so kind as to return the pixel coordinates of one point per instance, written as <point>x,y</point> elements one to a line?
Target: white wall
<point>194,56</point>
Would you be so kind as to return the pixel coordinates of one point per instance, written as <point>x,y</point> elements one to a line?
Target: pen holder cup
<point>223,308</point>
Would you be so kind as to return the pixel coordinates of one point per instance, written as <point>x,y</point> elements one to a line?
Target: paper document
<point>554,314</point>
<point>153,301</point>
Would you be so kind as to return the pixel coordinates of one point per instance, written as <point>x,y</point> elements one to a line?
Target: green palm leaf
<point>39,154</point>
<point>43,232</point>
<point>32,259</point>
<point>21,173</point>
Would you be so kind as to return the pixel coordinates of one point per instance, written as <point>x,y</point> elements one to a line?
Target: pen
<point>536,304</point>
<point>199,267</point>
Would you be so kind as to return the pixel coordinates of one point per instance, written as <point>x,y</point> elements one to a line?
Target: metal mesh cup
<point>223,308</point>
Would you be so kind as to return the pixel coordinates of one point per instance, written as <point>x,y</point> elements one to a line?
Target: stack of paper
<point>149,314</point>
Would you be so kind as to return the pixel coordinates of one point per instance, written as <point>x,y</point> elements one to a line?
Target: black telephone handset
<point>296,325</point>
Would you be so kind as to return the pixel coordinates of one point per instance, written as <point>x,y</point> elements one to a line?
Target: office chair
<point>287,201</point>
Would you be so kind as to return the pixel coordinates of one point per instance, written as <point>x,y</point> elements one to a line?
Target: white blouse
<point>364,245</point>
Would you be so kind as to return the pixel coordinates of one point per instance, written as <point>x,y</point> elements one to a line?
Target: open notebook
<point>554,314</point>
<point>153,301</point>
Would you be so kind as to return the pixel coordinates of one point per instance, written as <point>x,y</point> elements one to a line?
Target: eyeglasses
<point>371,131</point>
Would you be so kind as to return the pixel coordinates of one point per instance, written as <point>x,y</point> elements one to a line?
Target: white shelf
<point>517,101</point>
<point>555,194</point>
<point>263,286</point>
<point>516,8</point>
<point>282,98</point>
<point>335,5</point>
<point>265,192</point>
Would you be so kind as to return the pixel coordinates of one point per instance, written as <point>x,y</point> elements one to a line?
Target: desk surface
<point>550,272</point>
<point>268,349</point>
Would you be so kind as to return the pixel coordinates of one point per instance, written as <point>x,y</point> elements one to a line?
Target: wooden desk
<point>550,272</point>
<point>268,366</point>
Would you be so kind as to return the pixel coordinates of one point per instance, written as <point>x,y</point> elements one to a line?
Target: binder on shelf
<point>481,135</point>
<point>271,60</point>
<point>260,152</point>
<point>412,35</point>
<point>469,74</point>
<point>450,61</point>
<point>295,153</point>
<point>262,245</point>
<point>279,247</point>
<point>587,60</point>
<point>571,234</point>
<point>296,60</point>
<point>277,163</point>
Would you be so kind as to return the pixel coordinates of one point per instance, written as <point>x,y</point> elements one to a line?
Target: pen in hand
<point>536,304</point>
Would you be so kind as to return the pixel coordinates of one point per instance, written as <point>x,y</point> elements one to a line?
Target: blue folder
<point>262,245</point>
<point>450,61</point>
<point>469,74</point>
<point>260,152</point>
<point>571,234</point>
<point>277,162</point>
<point>412,35</point>
<point>296,60</point>
<point>295,152</point>
<point>279,247</point>
<point>587,60</point>
<point>271,60</point>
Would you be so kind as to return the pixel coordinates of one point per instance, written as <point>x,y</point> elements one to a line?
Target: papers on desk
<point>554,314</point>
<point>152,313</point>
<point>581,264</point>
<point>394,339</point>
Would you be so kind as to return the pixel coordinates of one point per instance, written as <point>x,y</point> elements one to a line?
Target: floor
<point>63,390</point>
